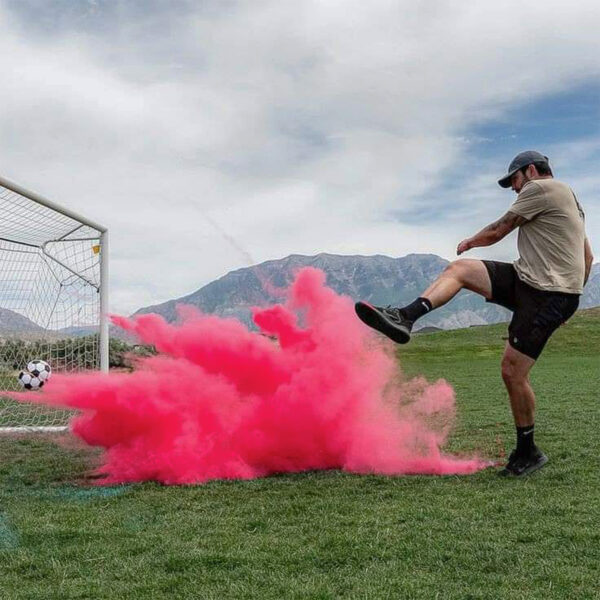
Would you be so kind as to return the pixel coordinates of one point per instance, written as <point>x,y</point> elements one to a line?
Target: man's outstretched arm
<point>492,233</point>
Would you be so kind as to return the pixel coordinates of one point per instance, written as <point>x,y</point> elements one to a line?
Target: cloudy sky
<point>292,126</point>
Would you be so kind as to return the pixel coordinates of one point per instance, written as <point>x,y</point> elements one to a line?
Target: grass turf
<point>332,534</point>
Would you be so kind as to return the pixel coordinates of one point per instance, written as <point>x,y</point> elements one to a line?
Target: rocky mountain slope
<point>12,323</point>
<point>379,279</point>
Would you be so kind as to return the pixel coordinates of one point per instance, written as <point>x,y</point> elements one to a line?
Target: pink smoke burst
<point>314,389</point>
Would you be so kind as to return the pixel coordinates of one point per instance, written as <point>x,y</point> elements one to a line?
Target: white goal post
<point>53,298</point>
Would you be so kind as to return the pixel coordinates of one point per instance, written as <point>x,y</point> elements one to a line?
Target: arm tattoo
<point>496,231</point>
<point>505,224</point>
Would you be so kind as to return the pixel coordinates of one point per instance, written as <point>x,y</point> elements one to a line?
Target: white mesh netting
<point>50,291</point>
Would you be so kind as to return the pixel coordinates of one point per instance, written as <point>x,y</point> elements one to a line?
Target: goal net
<point>53,301</point>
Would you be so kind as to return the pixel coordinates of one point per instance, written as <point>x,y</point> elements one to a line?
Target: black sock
<point>418,308</point>
<point>525,443</point>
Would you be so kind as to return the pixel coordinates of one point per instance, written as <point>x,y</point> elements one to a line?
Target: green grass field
<point>14,413</point>
<point>332,534</point>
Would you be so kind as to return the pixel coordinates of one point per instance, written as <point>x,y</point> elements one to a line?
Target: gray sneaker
<point>388,321</point>
<point>518,466</point>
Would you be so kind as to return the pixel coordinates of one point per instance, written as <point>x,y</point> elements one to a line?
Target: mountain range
<point>378,279</point>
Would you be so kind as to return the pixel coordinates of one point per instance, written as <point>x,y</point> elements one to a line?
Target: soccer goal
<point>53,298</point>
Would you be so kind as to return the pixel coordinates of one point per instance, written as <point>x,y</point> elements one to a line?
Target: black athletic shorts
<point>536,314</point>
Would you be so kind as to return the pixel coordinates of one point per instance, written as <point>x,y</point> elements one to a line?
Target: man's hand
<point>492,233</point>
<point>589,260</point>
<point>463,247</point>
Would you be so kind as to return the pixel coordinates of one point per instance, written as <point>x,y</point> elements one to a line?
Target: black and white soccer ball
<point>36,375</point>
<point>39,369</point>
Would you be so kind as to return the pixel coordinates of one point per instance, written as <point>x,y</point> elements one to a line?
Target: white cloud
<point>297,127</point>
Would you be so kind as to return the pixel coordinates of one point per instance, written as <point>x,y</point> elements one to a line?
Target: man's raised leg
<point>464,273</point>
<point>397,323</point>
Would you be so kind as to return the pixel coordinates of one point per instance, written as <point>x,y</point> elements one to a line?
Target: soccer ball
<point>39,369</point>
<point>37,373</point>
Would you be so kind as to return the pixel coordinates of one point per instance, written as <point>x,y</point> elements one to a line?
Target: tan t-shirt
<point>551,243</point>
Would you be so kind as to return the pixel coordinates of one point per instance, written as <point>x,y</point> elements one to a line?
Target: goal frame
<point>103,329</point>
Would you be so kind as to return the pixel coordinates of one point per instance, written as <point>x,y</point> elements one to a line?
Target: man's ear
<point>531,171</point>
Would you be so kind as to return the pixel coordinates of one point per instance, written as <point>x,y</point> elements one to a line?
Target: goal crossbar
<point>17,189</point>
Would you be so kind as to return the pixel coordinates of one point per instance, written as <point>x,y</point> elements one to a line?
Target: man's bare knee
<point>457,269</point>
<point>514,372</point>
<point>509,375</point>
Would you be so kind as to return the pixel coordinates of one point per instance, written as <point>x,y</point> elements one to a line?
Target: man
<point>542,287</point>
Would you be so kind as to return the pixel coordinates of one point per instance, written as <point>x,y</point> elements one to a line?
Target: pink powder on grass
<point>223,402</point>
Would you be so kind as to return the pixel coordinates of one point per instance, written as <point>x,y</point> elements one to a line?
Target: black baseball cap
<point>521,160</point>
